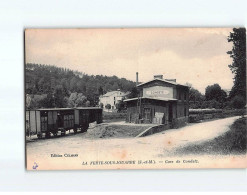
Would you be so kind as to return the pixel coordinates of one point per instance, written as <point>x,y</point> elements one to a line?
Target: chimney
<point>137,78</point>
<point>160,76</point>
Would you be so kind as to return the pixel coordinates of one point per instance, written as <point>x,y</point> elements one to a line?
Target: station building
<point>160,101</point>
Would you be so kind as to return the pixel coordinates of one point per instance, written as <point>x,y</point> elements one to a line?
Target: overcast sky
<point>196,55</point>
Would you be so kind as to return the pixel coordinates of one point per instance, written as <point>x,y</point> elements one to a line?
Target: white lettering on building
<point>157,92</point>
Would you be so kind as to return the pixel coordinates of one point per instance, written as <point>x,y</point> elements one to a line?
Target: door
<point>147,115</point>
<point>170,116</point>
<point>59,121</point>
<point>44,123</point>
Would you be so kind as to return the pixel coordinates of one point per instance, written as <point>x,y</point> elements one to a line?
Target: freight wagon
<point>53,120</point>
<point>86,115</point>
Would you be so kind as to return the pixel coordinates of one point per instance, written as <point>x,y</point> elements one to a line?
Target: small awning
<point>152,98</point>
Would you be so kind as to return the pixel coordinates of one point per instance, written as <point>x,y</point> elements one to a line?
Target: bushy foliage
<point>133,92</point>
<point>76,100</point>
<point>120,106</point>
<point>108,106</point>
<point>195,95</point>
<point>214,92</point>
<point>238,102</point>
<point>101,105</point>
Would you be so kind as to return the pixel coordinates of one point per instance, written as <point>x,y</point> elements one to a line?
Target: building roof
<point>125,93</point>
<point>48,109</point>
<point>110,93</point>
<point>88,108</point>
<point>57,109</point>
<point>163,80</point>
<point>152,98</point>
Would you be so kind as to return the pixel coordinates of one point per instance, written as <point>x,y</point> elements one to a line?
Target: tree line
<point>214,96</point>
<point>50,86</point>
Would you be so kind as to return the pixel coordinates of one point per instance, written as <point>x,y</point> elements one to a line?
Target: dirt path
<point>157,147</point>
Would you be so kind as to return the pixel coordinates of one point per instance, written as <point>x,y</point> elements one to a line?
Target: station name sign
<point>158,91</point>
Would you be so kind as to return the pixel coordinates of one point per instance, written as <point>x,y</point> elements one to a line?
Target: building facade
<point>111,98</point>
<point>160,101</point>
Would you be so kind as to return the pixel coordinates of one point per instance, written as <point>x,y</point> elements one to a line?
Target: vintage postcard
<point>135,98</point>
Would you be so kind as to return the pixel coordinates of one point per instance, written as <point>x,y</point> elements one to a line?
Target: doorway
<point>59,121</point>
<point>170,115</point>
<point>147,115</point>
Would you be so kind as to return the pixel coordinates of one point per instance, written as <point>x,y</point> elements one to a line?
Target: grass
<point>231,142</point>
<point>114,115</point>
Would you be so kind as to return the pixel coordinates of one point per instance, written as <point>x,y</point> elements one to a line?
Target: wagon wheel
<point>55,134</point>
<point>47,135</point>
<point>85,127</point>
<point>63,132</point>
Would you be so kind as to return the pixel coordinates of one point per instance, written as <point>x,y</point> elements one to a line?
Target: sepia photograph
<point>135,98</point>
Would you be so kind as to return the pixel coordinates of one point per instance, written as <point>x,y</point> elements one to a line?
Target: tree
<point>47,102</point>
<point>101,105</point>
<point>238,102</point>
<point>28,101</point>
<point>87,104</point>
<point>59,97</point>
<point>195,95</point>
<point>108,106</point>
<point>34,103</point>
<point>76,100</point>
<point>214,92</point>
<point>100,91</point>
<point>238,66</point>
<point>133,93</point>
<point>120,106</point>
<point>73,84</point>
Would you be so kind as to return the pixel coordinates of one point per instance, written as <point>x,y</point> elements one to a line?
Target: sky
<point>189,55</point>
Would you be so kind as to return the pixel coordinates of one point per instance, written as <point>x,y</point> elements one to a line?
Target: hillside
<point>61,82</point>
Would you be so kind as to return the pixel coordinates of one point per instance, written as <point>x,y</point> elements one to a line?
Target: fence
<point>197,115</point>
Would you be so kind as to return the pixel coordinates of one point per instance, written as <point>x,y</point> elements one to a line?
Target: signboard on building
<point>158,91</point>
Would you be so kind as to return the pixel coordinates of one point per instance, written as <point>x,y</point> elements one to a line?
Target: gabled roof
<point>125,94</point>
<point>110,93</point>
<point>113,92</point>
<point>163,80</point>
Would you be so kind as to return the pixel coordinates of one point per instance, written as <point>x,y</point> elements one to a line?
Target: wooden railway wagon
<point>51,120</point>
<point>86,115</point>
<point>54,120</point>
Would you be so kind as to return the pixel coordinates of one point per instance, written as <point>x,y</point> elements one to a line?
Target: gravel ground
<point>159,147</point>
<point>116,130</point>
